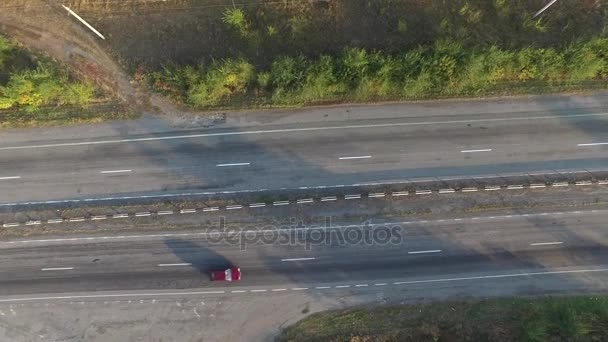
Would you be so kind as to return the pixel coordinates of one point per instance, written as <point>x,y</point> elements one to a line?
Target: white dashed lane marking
<point>116,171</point>
<point>546,243</point>
<point>476,151</point>
<point>177,264</point>
<point>355,157</point>
<point>376,195</point>
<point>57,269</point>
<point>10,177</point>
<point>592,144</point>
<point>425,252</point>
<point>298,259</point>
<point>233,164</point>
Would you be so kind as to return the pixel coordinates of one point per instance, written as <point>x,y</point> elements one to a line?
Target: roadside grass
<point>576,318</point>
<point>37,91</point>
<point>220,54</point>
<point>65,115</point>
<point>445,69</point>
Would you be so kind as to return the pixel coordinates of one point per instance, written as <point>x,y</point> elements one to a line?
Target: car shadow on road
<point>201,258</point>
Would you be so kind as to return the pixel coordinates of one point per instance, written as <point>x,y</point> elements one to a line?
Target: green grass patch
<point>579,318</point>
<point>35,91</point>
<point>65,115</point>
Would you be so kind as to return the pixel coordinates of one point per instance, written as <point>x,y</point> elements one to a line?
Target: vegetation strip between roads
<point>298,202</point>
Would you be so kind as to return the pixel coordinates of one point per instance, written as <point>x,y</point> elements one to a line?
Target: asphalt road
<point>307,154</point>
<point>565,244</point>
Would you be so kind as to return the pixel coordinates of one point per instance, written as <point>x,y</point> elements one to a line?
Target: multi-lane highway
<point>304,155</point>
<point>565,245</point>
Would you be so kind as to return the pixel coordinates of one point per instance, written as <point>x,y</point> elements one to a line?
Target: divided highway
<point>566,245</point>
<point>305,155</point>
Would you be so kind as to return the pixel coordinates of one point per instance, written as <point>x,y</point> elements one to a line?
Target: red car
<point>229,274</point>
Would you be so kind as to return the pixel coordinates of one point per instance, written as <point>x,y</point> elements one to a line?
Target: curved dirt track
<point>47,28</point>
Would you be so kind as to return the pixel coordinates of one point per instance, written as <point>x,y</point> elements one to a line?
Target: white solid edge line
<point>306,129</point>
<point>10,177</point>
<point>233,164</point>
<point>355,157</point>
<point>57,269</point>
<point>178,264</point>
<point>411,282</point>
<point>546,243</point>
<point>512,275</point>
<point>474,151</point>
<point>298,259</point>
<point>116,171</point>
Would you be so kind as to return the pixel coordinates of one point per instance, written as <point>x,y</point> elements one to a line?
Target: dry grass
<point>583,318</point>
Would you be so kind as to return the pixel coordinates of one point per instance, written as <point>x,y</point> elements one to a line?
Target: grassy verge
<point>580,318</point>
<point>36,91</point>
<point>445,69</point>
<point>65,115</point>
<point>361,51</point>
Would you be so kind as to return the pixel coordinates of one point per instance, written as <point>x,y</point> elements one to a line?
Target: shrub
<point>321,82</point>
<point>235,19</point>
<point>287,74</point>
<point>223,80</point>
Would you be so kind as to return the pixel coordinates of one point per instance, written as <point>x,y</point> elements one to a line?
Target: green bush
<point>235,19</point>
<point>6,50</point>
<point>220,82</point>
<point>287,74</point>
<point>31,89</point>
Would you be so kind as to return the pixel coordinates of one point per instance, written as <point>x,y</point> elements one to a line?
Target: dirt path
<point>46,28</point>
